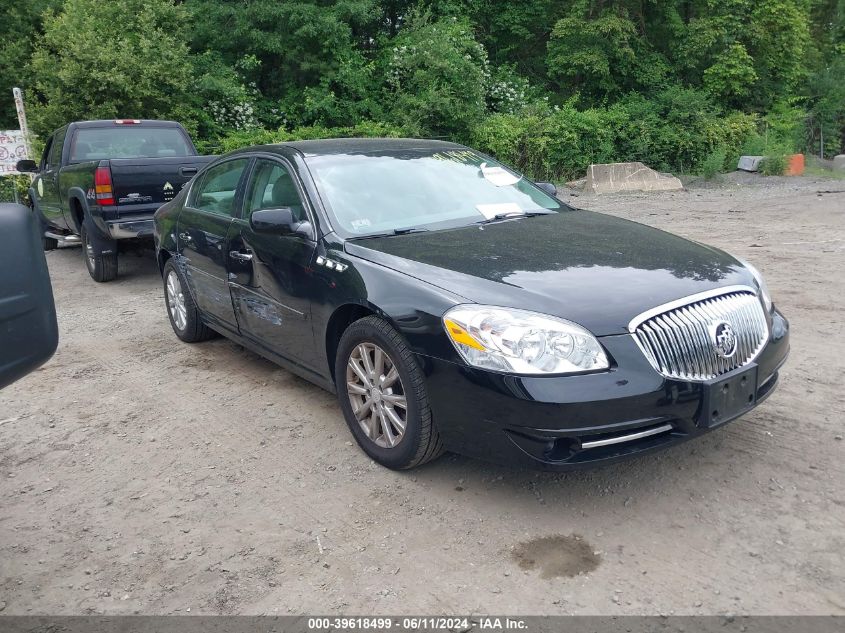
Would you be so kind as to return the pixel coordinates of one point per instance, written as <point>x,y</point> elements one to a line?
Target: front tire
<point>101,266</point>
<point>181,309</point>
<point>381,390</point>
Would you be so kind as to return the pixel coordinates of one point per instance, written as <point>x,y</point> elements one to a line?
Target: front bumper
<point>131,229</point>
<point>565,422</point>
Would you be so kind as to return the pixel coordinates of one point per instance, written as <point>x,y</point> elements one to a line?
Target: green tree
<point>591,53</point>
<point>20,27</point>
<point>437,77</point>
<point>732,75</point>
<point>299,43</point>
<point>123,58</point>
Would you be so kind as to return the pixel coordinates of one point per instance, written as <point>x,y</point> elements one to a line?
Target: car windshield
<point>126,141</point>
<point>381,192</point>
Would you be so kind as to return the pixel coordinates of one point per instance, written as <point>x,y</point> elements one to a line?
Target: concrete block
<point>839,161</point>
<point>749,163</point>
<point>614,177</point>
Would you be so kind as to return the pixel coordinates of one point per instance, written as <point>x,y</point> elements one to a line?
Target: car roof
<point>106,123</point>
<point>328,146</point>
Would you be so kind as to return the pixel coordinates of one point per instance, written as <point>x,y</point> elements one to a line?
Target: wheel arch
<point>78,208</point>
<point>344,316</point>
<point>162,256</point>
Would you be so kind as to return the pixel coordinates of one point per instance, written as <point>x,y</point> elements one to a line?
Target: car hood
<point>594,269</point>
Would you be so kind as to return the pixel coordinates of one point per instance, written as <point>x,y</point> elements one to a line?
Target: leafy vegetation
<point>548,85</point>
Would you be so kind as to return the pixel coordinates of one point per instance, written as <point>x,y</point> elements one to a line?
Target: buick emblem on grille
<point>723,337</point>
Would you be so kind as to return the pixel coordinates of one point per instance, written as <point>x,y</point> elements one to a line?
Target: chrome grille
<point>678,341</point>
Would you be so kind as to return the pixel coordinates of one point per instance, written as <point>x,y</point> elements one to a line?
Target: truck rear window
<point>128,142</point>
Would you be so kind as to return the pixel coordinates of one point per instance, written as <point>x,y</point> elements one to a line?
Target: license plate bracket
<point>727,397</point>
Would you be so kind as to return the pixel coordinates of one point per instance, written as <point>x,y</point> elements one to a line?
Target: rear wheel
<point>183,313</point>
<point>101,266</point>
<point>381,390</point>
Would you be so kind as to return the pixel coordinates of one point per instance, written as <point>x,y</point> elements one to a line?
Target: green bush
<point>774,165</point>
<point>679,131</point>
<point>437,77</point>
<point>259,136</point>
<point>714,164</point>
<point>14,188</point>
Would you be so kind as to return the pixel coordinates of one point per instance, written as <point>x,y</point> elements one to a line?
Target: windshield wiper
<point>410,229</point>
<point>405,231</point>
<point>511,215</point>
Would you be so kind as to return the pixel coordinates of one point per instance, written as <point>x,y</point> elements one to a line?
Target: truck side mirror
<point>29,333</point>
<point>26,166</point>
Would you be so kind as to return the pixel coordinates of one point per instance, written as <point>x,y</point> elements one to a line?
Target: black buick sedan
<point>454,305</point>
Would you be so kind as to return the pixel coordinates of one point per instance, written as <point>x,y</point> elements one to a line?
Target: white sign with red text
<point>12,149</point>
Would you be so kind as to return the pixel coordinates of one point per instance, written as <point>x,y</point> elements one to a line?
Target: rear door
<point>270,275</point>
<point>201,237</point>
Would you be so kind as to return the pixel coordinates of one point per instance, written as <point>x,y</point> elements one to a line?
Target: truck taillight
<point>127,121</point>
<point>102,186</point>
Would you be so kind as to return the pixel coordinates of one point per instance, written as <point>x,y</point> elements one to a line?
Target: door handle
<point>243,257</point>
<point>185,171</point>
<point>185,237</point>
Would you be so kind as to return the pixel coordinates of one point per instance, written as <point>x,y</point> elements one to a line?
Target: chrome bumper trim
<point>620,439</point>
<point>128,229</point>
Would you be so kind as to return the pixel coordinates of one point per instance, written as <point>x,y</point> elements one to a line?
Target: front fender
<point>412,306</point>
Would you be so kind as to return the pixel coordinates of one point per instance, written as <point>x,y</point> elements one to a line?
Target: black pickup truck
<point>99,182</point>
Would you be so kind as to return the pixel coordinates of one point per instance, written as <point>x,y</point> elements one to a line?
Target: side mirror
<point>548,187</point>
<point>279,221</point>
<point>26,166</point>
<point>28,330</point>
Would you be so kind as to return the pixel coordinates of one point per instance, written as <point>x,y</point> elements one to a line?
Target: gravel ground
<point>142,475</point>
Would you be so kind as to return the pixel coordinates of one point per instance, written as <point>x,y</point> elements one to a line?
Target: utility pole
<point>16,92</point>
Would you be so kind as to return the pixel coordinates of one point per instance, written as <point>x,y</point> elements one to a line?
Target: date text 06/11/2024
<point>430,623</point>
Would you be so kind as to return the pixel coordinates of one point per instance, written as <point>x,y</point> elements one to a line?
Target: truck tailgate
<point>141,185</point>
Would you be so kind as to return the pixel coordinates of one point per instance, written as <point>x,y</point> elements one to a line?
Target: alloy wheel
<point>176,301</point>
<point>89,252</point>
<point>376,394</point>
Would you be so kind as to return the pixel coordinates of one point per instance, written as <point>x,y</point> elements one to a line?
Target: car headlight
<point>521,342</point>
<point>761,283</point>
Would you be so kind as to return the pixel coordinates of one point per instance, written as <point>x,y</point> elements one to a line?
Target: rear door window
<point>128,141</point>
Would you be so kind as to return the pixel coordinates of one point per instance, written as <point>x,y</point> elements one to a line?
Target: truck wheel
<point>381,390</point>
<point>183,313</point>
<point>101,266</point>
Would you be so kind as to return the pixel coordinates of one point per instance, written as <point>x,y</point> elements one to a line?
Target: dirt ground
<point>142,475</point>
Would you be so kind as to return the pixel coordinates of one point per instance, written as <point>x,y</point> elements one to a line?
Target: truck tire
<point>101,266</point>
